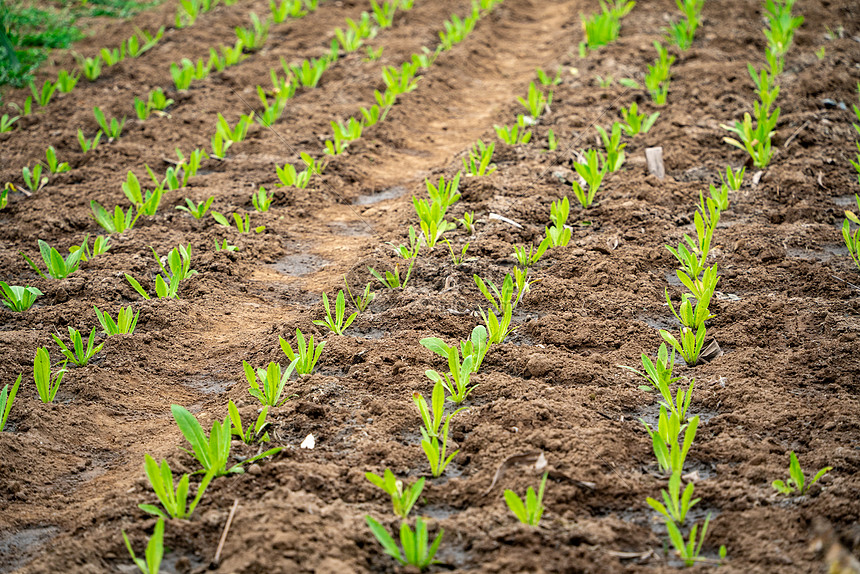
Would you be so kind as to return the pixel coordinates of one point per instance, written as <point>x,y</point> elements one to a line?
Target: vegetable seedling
<point>658,375</point>
<point>7,398</point>
<point>258,432</point>
<point>734,179</point>
<point>111,129</point>
<point>47,381</point>
<point>676,505</point>
<point>151,564</point>
<point>536,102</point>
<point>415,549</point>
<point>33,179</point>
<point>690,344</point>
<point>91,144</point>
<point>254,38</point>
<point>602,28</point>
<point>126,321</point>
<point>403,498</point>
<point>18,298</point>
<point>613,146</point>
<point>670,455</point>
<point>659,75</point>
<point>270,387</point>
<point>55,166</point>
<point>435,448</point>
<point>636,123</point>
<point>66,82</point>
<point>43,96</point>
<point>174,500</point>
<point>360,301</point>
<point>212,452</point>
<point>336,323</point>
<point>527,257</point>
<point>262,200</point>
<point>530,511</point>
<point>432,416</point>
<point>852,239</point>
<point>306,354</point>
<point>592,172</point>
<point>498,327</point>
<point>6,123</point>
<point>516,134</point>
<point>391,279</point>
<point>457,381</point>
<point>197,210</point>
<point>56,266</point>
<point>478,161</point>
<point>167,285</point>
<point>116,223</point>
<point>468,222</point>
<point>797,481</point>
<point>690,551</point>
<point>101,245</point>
<point>78,354</point>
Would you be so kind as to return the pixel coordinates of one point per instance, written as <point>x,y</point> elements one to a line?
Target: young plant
<point>336,323</point>
<point>151,563</point>
<point>434,415</point>
<point>225,246</point>
<point>658,375</point>
<point>690,551</point>
<point>78,354</point>
<point>43,96</point>
<point>468,222</point>
<point>197,210</point>
<point>636,123</point>
<point>852,239</point>
<point>664,441</point>
<point>258,432</point>
<point>308,72</point>
<point>167,285</point>
<point>415,552</point>
<point>677,505</point>
<point>551,141</point>
<point>34,179</point>
<point>403,498</point>
<point>498,327</point>
<point>528,257</point>
<point>531,511</point>
<point>797,481</point>
<point>701,288</point>
<point>457,381</point>
<point>174,500</point>
<point>212,452</point>
<point>262,200</point>
<point>101,245</point>
<point>47,381</point>
<point>272,111</point>
<point>559,234</point>
<point>515,135</point>
<point>141,42</point>
<point>536,101</point>
<point>286,9</point>
<point>432,220</point>
<point>457,29</point>
<point>268,384</point>
<point>57,267</point>
<point>602,28</point>
<point>111,129</point>
<point>125,322</point>
<point>18,298</point>
<point>659,75</point>
<point>360,301</point>
<point>306,355</point>
<point>681,33</point>
<point>91,144</point>
<point>757,141</point>
<point>613,146</point>
<point>90,67</point>
<point>383,12</point>
<point>435,447</point>
<point>55,166</point>
<point>547,80</point>
<point>458,258</point>
<point>236,134</point>
<point>254,38</point>
<point>117,222</point>
<point>691,341</point>
<point>478,161</point>
<point>66,82</point>
<point>391,279</point>
<point>290,177</point>
<point>781,25</point>
<point>6,123</point>
<point>7,398</point>
<point>592,172</point>
<point>734,179</point>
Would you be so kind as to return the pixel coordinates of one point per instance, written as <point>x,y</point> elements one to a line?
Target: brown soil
<point>786,316</point>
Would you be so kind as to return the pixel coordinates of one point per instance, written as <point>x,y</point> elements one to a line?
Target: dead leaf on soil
<point>641,556</point>
<point>534,457</point>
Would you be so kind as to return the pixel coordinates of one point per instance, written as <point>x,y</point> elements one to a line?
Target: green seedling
<point>515,135</point>
<point>664,441</point>
<point>151,563</point>
<point>43,96</point>
<point>536,102</point>
<point>255,37</point>
<point>636,123</point>
<point>167,285</point>
<point>592,172</point>
<point>755,141</point>
<point>225,246</point>
<point>403,498</point>
<point>7,398</point>
<point>797,481</point>
<point>57,267</point>
<point>445,193</point>
<point>236,134</point>
<point>658,375</point>
<point>186,73</point>
<point>256,433</point>
<point>852,239</point>
<point>415,549</point>
<point>498,327</point>
<point>188,12</point>
<point>602,82</point>
<point>383,12</point>
<point>117,222</point>
<point>547,80</point>
<point>125,322</point>
<point>688,315</point>
<point>435,447</point>
<point>434,416</point>
<point>391,279</point>
<point>478,161</point>
<point>551,141</point>
<point>659,75</point>
<point>272,111</point>
<point>690,344</point>
<point>111,129</point>
<point>268,384</point>
<point>336,323</point>
<point>309,72</point>
<point>242,225</point>
<point>734,179</point>
<point>6,123</point>
<point>475,347</point>
<point>18,298</point>
<point>468,222</point>
<point>142,42</point>
<point>197,210</point>
<point>360,301</point>
<point>349,39</point>
<point>690,551</point>
<point>719,197</point>
<point>456,29</point>
<point>113,57</point>
<point>432,220</point>
<point>174,500</point>
<point>141,109</point>
<point>602,28</point>
<point>220,145</point>
<point>262,200</point>
<point>527,257</point>
<point>458,258</point>
<point>613,146</point>
<point>559,234</point>
<point>306,354</point>
<point>4,194</point>
<point>66,82</point>
<point>371,116</point>
<point>145,201</point>
<point>701,288</point>
<point>289,177</point>
<point>91,144</point>
<point>26,110</point>
<point>157,100</point>
<point>47,381</point>
<point>457,381</point>
<point>212,452</point>
<point>34,179</point>
<point>286,9</point>
<point>78,354</point>
<point>781,25</point>
<point>681,33</point>
<point>530,511</point>
<point>677,505</point>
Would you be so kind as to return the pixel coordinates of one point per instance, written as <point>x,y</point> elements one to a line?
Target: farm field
<point>783,375</point>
